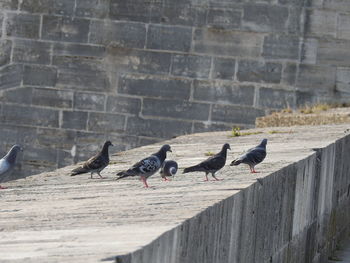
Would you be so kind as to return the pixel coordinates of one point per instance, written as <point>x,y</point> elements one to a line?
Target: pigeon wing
<point>95,162</point>
<point>213,163</point>
<point>4,166</point>
<point>255,156</point>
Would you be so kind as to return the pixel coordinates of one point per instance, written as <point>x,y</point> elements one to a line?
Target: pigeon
<point>7,163</point>
<point>148,166</point>
<point>169,168</point>
<point>212,164</point>
<point>96,163</point>
<point>253,156</point>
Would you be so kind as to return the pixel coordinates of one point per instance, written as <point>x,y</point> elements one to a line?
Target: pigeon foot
<point>3,187</point>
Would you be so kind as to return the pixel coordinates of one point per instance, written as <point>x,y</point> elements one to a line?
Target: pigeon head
<point>108,143</point>
<point>226,146</point>
<point>166,148</point>
<point>12,154</point>
<point>263,142</point>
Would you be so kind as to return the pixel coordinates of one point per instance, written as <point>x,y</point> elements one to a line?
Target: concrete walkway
<point>53,217</point>
<point>343,254</point>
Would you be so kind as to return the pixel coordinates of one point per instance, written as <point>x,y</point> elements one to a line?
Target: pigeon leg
<point>165,179</point>
<point>216,179</point>
<point>206,177</point>
<point>91,175</point>
<point>101,176</point>
<point>144,180</point>
<point>252,170</point>
<point>2,187</point>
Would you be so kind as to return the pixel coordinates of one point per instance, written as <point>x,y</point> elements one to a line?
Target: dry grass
<point>236,132</point>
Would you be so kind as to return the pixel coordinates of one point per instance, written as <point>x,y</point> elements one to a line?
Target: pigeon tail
<point>236,162</point>
<point>195,168</point>
<point>79,170</point>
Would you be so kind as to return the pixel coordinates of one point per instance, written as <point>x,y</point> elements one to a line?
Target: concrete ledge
<point>296,215</point>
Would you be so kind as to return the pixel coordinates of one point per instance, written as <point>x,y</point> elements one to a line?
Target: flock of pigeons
<point>150,165</point>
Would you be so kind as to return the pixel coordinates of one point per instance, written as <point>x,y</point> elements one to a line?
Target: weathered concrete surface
<point>342,255</point>
<point>296,215</point>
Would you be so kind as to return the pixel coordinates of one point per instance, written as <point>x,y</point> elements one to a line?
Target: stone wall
<point>74,73</point>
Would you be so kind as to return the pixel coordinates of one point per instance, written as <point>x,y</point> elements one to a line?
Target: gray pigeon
<point>169,168</point>
<point>96,163</point>
<point>7,163</point>
<point>148,166</point>
<point>253,156</point>
<point>212,164</point>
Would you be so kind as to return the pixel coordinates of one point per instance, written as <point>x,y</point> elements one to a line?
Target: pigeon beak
<point>112,144</point>
<point>170,150</point>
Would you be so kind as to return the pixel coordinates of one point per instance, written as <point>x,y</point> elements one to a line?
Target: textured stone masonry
<point>157,69</point>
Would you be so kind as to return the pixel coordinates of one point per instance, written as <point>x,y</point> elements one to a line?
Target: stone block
<point>19,95</point>
<point>69,29</point>
<point>22,25</point>
<point>265,18</point>
<point>295,20</point>
<point>148,62</point>
<point>56,138</point>
<point>40,157</point>
<point>9,4</point>
<point>81,50</point>
<point>276,98</point>
<point>122,34</point>
<point>289,74</point>
<point>39,75</point>
<point>160,87</point>
<point>226,93</point>
<point>92,8</point>
<point>75,120</point>
<point>134,10</point>
<point>281,47</point>
<point>52,98</point>
<point>223,68</point>
<point>61,7</point>
<point>85,82</point>
<point>343,80</point>
<point>11,76</point>
<point>5,52</point>
<point>191,66</point>
<point>337,5</point>
<point>210,127</point>
<point>122,142</point>
<point>30,51</point>
<point>304,98</point>
<point>333,52</point>
<point>292,2</point>
<point>309,51</point>
<point>12,134</point>
<point>106,122</point>
<point>119,104</point>
<point>321,23</point>
<point>224,18</point>
<point>64,158</point>
<point>317,78</point>
<point>343,29</point>
<point>227,43</point>
<point>25,115</point>
<point>178,109</point>
<point>89,101</point>
<point>176,13</point>
<point>235,114</point>
<point>177,38</point>
<point>159,128</point>
<point>257,71</point>
<point>79,65</point>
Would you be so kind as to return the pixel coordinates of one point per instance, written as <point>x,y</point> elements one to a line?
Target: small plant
<point>236,132</point>
<point>209,154</point>
<point>287,110</point>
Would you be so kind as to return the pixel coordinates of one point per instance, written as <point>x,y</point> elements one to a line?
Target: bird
<point>147,166</point>
<point>253,156</point>
<point>212,164</point>
<point>168,169</point>
<point>96,163</point>
<point>7,163</point>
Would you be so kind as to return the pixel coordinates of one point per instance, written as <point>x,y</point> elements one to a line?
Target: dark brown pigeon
<point>96,163</point>
<point>212,164</point>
